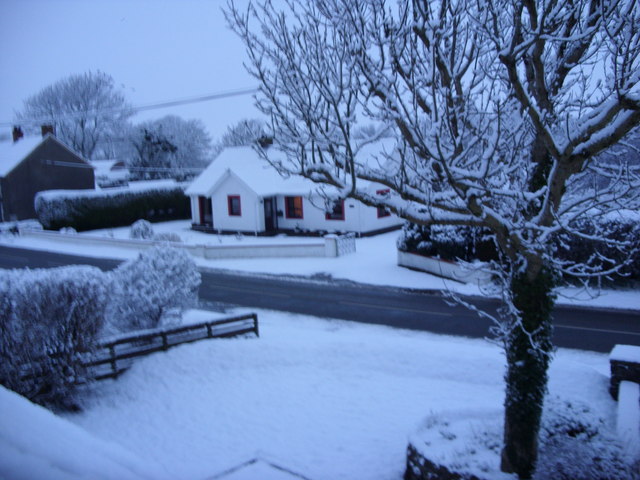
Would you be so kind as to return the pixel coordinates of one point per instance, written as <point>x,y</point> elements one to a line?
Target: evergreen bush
<point>110,208</point>
<point>49,322</point>
<point>153,289</point>
<point>141,230</point>
<point>472,243</point>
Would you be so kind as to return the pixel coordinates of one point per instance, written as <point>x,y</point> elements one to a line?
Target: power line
<point>145,107</point>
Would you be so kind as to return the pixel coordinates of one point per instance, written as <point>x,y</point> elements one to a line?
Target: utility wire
<point>144,107</point>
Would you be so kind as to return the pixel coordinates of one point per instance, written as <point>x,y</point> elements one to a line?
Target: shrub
<point>473,243</point>
<point>90,210</point>
<point>448,242</point>
<point>575,445</point>
<point>604,254</point>
<point>49,321</point>
<point>141,229</point>
<point>153,289</point>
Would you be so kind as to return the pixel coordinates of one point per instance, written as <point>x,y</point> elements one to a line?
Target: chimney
<point>47,129</point>
<point>17,134</point>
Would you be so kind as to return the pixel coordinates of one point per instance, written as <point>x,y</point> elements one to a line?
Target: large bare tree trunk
<point>528,347</point>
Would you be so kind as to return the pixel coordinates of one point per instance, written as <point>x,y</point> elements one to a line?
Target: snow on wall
<point>35,443</point>
<point>628,418</point>
<point>625,353</point>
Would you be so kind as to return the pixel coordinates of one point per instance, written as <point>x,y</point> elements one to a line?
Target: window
<point>383,212</point>
<point>337,212</point>
<point>293,207</point>
<point>233,202</point>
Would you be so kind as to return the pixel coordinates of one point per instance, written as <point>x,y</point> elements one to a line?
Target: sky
<point>155,50</point>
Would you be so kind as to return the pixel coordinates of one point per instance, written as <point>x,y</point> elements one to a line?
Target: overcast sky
<point>156,50</point>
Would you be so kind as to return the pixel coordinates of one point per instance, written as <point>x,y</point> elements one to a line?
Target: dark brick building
<point>31,165</point>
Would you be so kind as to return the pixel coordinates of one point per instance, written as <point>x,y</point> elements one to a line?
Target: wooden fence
<point>113,357</point>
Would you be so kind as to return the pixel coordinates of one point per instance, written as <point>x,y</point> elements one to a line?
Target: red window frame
<point>333,215</point>
<point>230,206</point>
<point>383,212</point>
<point>291,211</point>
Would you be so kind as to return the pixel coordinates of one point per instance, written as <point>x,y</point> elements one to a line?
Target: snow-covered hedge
<point>153,289</point>
<point>473,243</point>
<point>447,242</point>
<point>619,229</point>
<point>49,319</point>
<point>94,209</point>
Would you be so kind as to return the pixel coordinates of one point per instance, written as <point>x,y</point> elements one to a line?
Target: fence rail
<point>113,357</point>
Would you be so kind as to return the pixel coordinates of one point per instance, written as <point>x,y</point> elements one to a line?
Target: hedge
<point>474,243</point>
<point>49,320</point>
<point>90,210</point>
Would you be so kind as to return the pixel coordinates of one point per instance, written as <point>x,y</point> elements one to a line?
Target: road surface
<point>575,327</point>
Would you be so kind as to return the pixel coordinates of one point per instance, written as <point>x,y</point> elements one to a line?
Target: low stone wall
<point>330,246</point>
<point>624,361</point>
<point>442,268</point>
<point>421,468</point>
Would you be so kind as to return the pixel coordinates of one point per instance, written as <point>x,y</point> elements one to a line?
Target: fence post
<point>255,324</point>
<point>331,245</point>
<point>112,352</point>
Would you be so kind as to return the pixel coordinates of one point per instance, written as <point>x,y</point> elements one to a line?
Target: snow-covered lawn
<point>325,398</point>
<point>375,262</point>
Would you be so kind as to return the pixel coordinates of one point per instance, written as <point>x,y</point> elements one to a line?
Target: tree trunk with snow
<point>526,376</point>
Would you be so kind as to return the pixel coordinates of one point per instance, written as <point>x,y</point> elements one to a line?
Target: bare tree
<point>169,147</point>
<point>245,133</point>
<point>499,108</point>
<point>85,109</point>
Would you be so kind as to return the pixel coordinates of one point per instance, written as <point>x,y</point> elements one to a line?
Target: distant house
<point>110,173</point>
<point>31,165</point>
<point>240,192</point>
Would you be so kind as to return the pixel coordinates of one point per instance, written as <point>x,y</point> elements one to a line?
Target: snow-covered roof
<point>104,167</point>
<point>256,173</point>
<point>12,153</point>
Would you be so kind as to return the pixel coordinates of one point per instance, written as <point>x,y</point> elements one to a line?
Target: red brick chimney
<point>47,129</point>
<point>17,134</point>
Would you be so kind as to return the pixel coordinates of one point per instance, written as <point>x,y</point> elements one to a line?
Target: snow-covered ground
<point>375,262</point>
<point>325,398</point>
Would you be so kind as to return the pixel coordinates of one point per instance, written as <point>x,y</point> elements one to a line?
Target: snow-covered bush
<point>141,229</point>
<point>68,230</point>
<point>575,444</point>
<point>94,209</point>
<point>591,249</point>
<point>153,289</point>
<point>447,242</point>
<point>472,243</point>
<point>49,321</point>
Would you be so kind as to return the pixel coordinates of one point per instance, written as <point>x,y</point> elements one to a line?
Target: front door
<point>206,213</point>
<point>270,224</point>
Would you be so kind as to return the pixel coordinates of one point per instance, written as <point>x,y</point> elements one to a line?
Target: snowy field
<point>375,262</point>
<point>325,398</point>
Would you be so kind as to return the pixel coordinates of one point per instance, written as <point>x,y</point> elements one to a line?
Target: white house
<point>240,192</point>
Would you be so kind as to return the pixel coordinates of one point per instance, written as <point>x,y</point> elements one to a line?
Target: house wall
<point>51,166</point>
<point>370,221</point>
<point>357,217</point>
<point>252,218</point>
<point>195,210</point>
